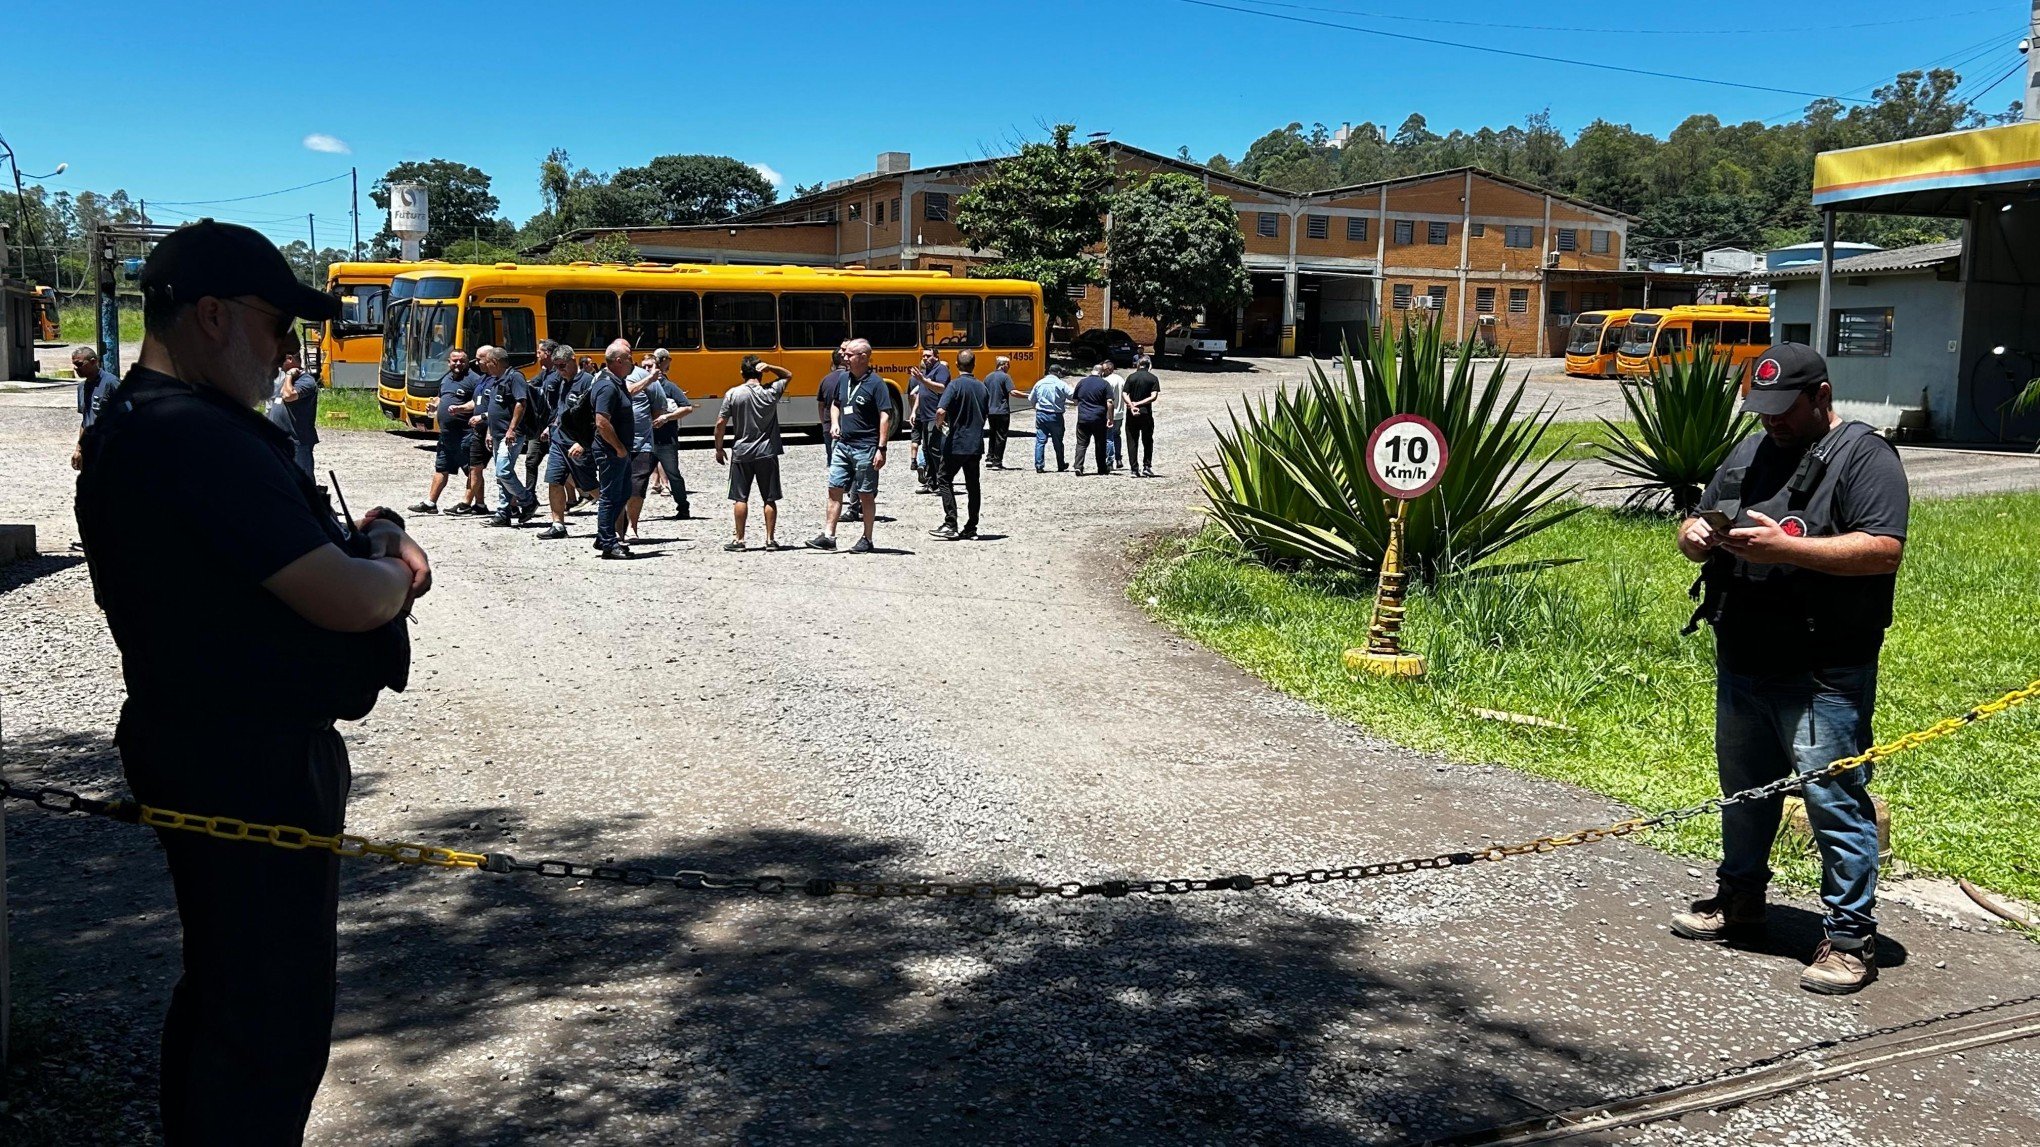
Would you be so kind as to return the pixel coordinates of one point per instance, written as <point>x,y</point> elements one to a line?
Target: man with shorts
<point>647,406</point>
<point>666,431</point>
<point>860,424</point>
<point>564,458</point>
<point>451,410</point>
<point>750,412</point>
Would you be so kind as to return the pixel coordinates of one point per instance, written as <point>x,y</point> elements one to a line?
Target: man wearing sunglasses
<point>222,572</point>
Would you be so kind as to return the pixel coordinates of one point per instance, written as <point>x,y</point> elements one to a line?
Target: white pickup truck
<point>1195,342</point>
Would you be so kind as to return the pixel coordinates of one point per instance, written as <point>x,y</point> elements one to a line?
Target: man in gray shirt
<point>750,414</point>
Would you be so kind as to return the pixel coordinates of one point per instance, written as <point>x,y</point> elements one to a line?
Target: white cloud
<point>332,145</point>
<point>772,177</point>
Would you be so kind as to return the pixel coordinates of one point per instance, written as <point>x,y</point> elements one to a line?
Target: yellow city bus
<point>710,317</point>
<point>1655,337</point>
<point>347,350</point>
<point>1590,347</point>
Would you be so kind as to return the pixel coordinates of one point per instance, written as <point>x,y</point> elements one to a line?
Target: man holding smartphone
<point>1800,534</point>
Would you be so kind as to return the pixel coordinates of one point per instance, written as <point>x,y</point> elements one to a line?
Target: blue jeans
<point>1047,429</point>
<point>612,475</point>
<point>515,492</point>
<point>1767,726</point>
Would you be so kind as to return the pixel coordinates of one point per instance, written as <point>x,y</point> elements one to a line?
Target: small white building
<point>1728,261</point>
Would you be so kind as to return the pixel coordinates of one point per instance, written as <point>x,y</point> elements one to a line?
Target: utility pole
<point>2026,45</point>
<point>354,180</point>
<point>314,225</point>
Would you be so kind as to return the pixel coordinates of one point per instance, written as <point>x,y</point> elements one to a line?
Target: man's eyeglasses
<point>283,321</point>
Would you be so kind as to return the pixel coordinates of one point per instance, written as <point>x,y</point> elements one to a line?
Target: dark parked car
<point>1098,343</point>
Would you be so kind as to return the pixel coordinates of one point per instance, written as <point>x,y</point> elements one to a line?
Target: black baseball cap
<point>226,260</point>
<point>1778,377</point>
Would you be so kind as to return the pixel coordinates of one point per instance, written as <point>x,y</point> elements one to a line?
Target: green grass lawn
<point>359,405</point>
<point>1574,441</point>
<point>1595,645</point>
<point>78,323</point>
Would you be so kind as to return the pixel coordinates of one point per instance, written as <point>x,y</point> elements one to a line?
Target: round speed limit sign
<point>1406,456</point>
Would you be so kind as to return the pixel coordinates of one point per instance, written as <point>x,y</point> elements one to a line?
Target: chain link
<point>637,876</point>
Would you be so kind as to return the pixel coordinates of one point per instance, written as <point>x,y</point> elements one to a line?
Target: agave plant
<point>1686,423</point>
<point>1290,481</point>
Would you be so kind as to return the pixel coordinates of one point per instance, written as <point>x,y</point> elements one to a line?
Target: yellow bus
<point>710,317</point>
<point>348,350</point>
<point>1658,336</point>
<point>1590,347</point>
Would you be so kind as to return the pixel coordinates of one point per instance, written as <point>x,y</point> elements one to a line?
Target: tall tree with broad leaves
<point>1043,211</point>
<point>460,203</point>
<point>1177,249</point>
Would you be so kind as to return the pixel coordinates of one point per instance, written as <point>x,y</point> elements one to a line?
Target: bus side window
<point>515,329</point>
<point>1706,331</point>
<point>1671,340</point>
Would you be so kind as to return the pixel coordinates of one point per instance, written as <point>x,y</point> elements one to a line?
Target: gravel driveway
<point>988,709</point>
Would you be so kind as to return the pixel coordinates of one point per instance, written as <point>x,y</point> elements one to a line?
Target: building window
<point>1519,300</point>
<point>1267,224</point>
<point>1600,241</point>
<point>1437,298</point>
<point>1558,303</point>
<point>1319,227</point>
<point>880,207</point>
<point>1861,333</point>
<point>1356,228</point>
<point>1437,233</point>
<point>1593,300</point>
<point>897,214</point>
<point>935,206</point>
<point>1484,300</point>
<point>1479,230</point>
<point>1079,290</point>
<point>1568,239</point>
<point>1405,232</point>
<point>942,268</point>
<point>1513,236</point>
<point>1801,333</point>
<point>1402,296</point>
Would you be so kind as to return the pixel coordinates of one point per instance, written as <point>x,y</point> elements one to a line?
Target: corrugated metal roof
<point>1897,259</point>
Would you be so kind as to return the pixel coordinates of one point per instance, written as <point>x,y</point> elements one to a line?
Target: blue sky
<point>185,103</point>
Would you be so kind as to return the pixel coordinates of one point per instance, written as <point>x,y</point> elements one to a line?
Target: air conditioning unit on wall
<point>1425,303</point>
<point>1551,258</point>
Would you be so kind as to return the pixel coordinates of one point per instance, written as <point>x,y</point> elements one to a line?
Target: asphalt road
<point>995,709</point>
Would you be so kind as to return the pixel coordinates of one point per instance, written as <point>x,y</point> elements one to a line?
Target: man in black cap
<point>1801,532</point>
<point>223,571</point>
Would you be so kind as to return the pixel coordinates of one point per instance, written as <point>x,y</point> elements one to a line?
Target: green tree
<point>610,248</point>
<point>478,251</point>
<point>685,189</point>
<point>461,204</point>
<point>1292,159</point>
<point>1177,249</point>
<point>309,265</point>
<point>1043,212</point>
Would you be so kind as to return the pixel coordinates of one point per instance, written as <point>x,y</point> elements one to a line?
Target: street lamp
<point>21,197</point>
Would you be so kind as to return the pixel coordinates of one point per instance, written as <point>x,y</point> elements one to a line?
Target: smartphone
<point>1720,521</point>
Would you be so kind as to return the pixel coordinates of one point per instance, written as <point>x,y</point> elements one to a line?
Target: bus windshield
<point>361,307</point>
<point>431,332</point>
<point>1639,335</point>
<point>393,346</point>
<point>1586,335</point>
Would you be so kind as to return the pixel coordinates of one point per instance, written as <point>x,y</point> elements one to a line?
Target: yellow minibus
<point>1590,347</point>
<point>1655,337</point>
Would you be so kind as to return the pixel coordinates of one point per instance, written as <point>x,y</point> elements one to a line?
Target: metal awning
<point>1936,175</point>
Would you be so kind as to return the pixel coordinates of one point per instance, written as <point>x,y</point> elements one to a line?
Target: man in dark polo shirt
<point>1137,401</point>
<point>960,417</point>
<point>1801,532</point>
<point>998,412</point>
<point>508,394</point>
<point>860,417</point>
<point>566,461</point>
<point>928,378</point>
<point>615,427</point>
<point>452,409</point>
<point>222,572</point>
<point>1095,416</point>
<point>545,382</point>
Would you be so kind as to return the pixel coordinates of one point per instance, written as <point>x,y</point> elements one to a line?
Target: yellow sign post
<point>1406,457</point>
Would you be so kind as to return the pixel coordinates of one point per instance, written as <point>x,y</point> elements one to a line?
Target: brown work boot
<point>1839,971</point>
<point>1726,913</point>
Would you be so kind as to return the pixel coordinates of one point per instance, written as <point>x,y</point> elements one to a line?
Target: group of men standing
<point>1109,405</point>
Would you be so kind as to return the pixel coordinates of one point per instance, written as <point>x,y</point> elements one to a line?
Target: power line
<point>1939,18</point>
<point>259,195</point>
<point>2016,66</point>
<point>1596,64</point>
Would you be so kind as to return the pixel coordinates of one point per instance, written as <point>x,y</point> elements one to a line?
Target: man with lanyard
<point>1801,532</point>
<point>565,459</point>
<point>451,410</point>
<point>294,409</point>
<point>666,431</point>
<point>507,398</point>
<point>614,430</point>
<point>1051,397</point>
<point>929,378</point>
<point>960,417</point>
<point>860,422</point>
<point>999,411</point>
<point>96,385</point>
<point>223,573</point>
<point>545,383</point>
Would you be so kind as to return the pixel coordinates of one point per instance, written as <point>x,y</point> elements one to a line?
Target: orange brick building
<point>1476,249</point>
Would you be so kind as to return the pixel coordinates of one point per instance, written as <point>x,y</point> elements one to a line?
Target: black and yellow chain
<point>349,845</point>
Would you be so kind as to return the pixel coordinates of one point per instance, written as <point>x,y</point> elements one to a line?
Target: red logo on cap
<point>1767,370</point>
<point>1793,527</point>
